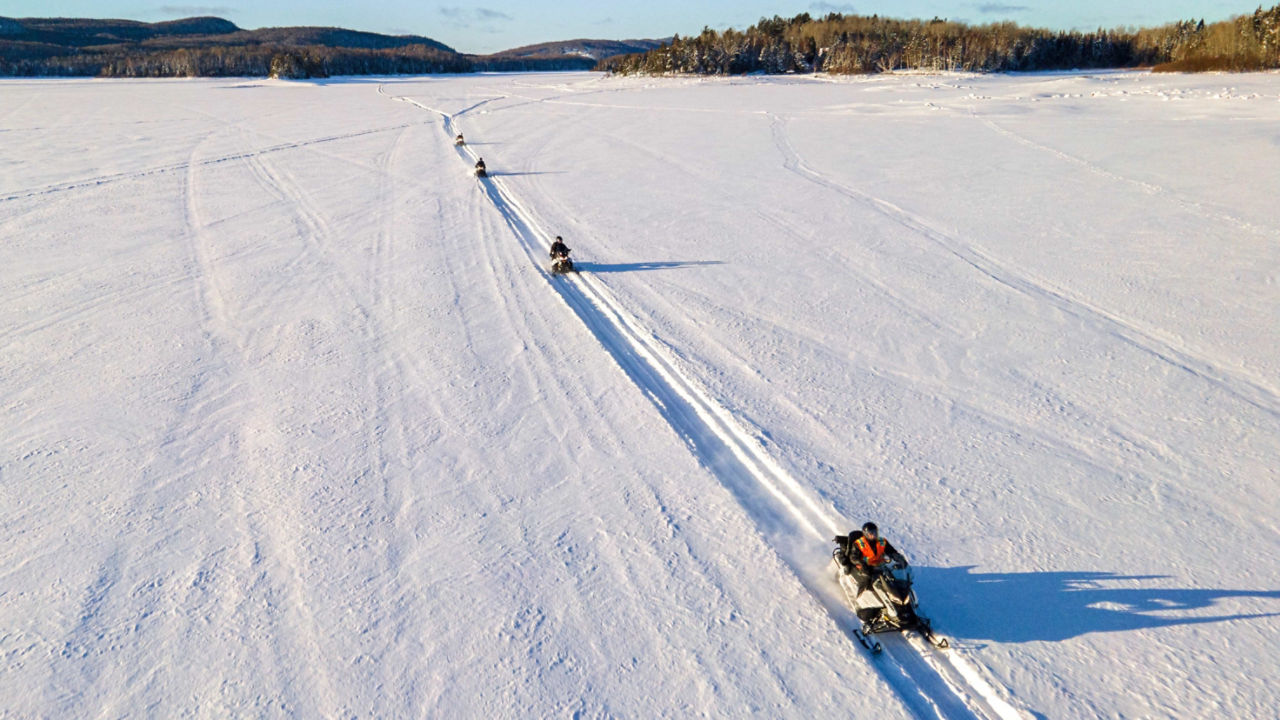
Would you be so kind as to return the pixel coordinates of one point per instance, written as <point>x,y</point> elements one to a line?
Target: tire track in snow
<point>110,611</point>
<point>1237,384</point>
<point>385,447</point>
<point>177,167</point>
<point>1150,188</point>
<point>313,229</point>
<point>791,519</point>
<point>266,515</point>
<point>96,303</point>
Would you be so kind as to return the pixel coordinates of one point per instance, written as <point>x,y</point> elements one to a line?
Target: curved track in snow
<point>1200,208</point>
<point>1238,383</point>
<point>793,520</point>
<point>184,166</point>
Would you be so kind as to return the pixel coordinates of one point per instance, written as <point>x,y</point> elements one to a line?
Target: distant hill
<point>333,37</point>
<point>590,49</point>
<point>563,55</point>
<point>194,32</point>
<point>210,46</point>
<point>81,33</point>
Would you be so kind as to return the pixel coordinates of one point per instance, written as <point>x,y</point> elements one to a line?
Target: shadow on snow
<point>635,267</point>
<point>1052,606</point>
<point>517,174</point>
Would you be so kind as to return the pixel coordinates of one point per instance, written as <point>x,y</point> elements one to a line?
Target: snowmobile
<point>459,141</point>
<point>888,604</point>
<point>481,170</point>
<point>561,264</point>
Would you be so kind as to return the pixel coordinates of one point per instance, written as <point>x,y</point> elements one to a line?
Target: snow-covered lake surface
<point>294,422</point>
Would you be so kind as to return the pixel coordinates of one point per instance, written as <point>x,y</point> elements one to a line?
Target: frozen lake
<point>295,422</point>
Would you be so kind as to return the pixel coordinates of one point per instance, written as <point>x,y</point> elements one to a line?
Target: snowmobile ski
<point>932,638</point>
<point>872,646</point>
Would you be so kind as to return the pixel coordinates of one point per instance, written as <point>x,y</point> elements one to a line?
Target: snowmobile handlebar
<point>888,568</point>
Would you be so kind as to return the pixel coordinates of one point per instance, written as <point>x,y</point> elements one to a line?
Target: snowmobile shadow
<point>517,174</point>
<point>1054,606</point>
<point>635,267</point>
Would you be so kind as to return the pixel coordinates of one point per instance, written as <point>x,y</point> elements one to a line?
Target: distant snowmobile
<point>887,604</point>
<point>481,171</point>
<point>560,262</point>
<point>459,141</point>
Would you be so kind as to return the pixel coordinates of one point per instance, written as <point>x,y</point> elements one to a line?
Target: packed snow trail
<point>796,523</point>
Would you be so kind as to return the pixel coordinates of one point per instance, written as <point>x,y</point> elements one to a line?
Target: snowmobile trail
<point>792,519</point>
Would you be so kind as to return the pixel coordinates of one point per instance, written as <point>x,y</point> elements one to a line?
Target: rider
<point>458,140</point>
<point>559,249</point>
<point>863,552</point>
<point>480,165</point>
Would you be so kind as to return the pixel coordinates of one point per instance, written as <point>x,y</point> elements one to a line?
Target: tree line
<point>276,61</point>
<point>254,61</point>
<point>854,44</point>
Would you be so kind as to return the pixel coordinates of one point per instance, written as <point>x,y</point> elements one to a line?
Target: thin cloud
<point>466,18</point>
<point>998,9</point>
<point>826,7</point>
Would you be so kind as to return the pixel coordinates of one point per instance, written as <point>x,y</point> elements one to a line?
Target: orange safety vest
<point>874,554</point>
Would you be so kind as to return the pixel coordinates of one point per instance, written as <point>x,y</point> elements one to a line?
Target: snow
<point>295,422</point>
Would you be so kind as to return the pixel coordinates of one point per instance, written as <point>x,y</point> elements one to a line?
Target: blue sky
<point>492,25</point>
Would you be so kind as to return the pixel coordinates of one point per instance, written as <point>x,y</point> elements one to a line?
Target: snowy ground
<point>294,422</point>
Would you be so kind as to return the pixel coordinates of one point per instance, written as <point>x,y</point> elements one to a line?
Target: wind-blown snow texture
<point>293,421</point>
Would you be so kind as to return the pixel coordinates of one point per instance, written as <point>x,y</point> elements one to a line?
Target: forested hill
<point>594,49</point>
<point>849,44</point>
<point>80,33</point>
<point>210,46</point>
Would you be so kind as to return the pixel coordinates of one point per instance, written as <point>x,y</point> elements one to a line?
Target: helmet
<point>870,529</point>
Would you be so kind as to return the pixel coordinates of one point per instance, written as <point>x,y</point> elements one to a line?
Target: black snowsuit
<point>853,563</point>
<point>559,248</point>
